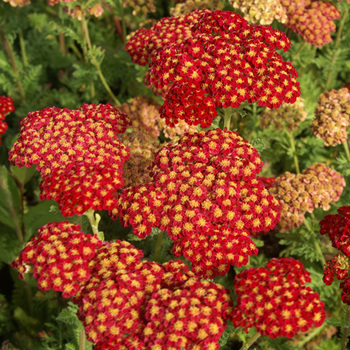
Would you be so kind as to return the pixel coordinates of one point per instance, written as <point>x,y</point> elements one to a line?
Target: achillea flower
<point>78,9</point>
<point>337,228</point>
<point>261,11</point>
<point>144,115</point>
<point>77,153</point>
<point>312,19</point>
<point>275,300</point>
<point>315,187</point>
<point>60,256</point>
<point>223,62</point>
<point>153,306</point>
<point>204,193</point>
<point>285,117</point>
<point>140,6</point>
<point>6,106</point>
<point>188,6</point>
<point>332,116</point>
<point>20,3</point>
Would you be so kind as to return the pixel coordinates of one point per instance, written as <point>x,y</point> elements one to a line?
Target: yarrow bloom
<point>154,306</point>
<point>206,195</point>
<point>215,59</point>
<point>275,300</point>
<point>288,116</point>
<point>6,106</point>
<point>261,11</point>
<point>20,3</point>
<point>77,153</point>
<point>315,187</point>
<point>59,256</point>
<point>337,227</point>
<point>312,19</point>
<point>188,6</point>
<point>140,6</point>
<point>78,9</point>
<point>332,117</point>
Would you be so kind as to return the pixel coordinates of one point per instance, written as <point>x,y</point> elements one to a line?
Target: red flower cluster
<point>312,19</point>
<point>77,153</point>
<point>60,256</point>
<point>6,106</point>
<point>206,195</point>
<point>337,227</point>
<point>315,187</point>
<point>154,306</point>
<point>275,300</point>
<point>222,62</point>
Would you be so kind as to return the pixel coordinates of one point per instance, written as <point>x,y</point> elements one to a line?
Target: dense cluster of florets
<point>332,116</point>
<point>312,19</point>
<point>206,195</point>
<point>261,11</point>
<point>77,153</point>
<point>6,106</point>
<point>214,59</point>
<point>337,227</point>
<point>188,6</point>
<point>318,186</point>
<point>288,116</point>
<point>78,9</point>
<point>275,300</point>
<point>19,3</point>
<point>59,256</point>
<point>140,6</point>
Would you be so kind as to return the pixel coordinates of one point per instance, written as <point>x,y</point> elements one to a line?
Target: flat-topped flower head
<point>79,9</point>
<point>261,11</point>
<point>288,116</point>
<point>312,19</point>
<point>59,256</point>
<point>332,117</point>
<point>315,187</point>
<point>275,300</point>
<point>77,153</point>
<point>221,62</point>
<point>206,195</point>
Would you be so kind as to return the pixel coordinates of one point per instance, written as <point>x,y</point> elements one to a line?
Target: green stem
<point>96,64</point>
<point>158,249</point>
<point>227,118</point>
<point>346,331</point>
<point>312,335</point>
<point>336,45</point>
<point>251,341</point>
<point>23,49</point>
<point>314,218</point>
<point>76,51</point>
<point>82,339</point>
<point>62,42</point>
<point>295,158</point>
<point>301,48</point>
<point>94,221</point>
<point>346,148</point>
<point>8,48</point>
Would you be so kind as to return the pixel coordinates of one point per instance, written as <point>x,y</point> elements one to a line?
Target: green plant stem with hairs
<point>94,221</point>
<point>346,148</point>
<point>301,48</point>
<point>251,341</point>
<point>122,20</point>
<point>96,64</point>
<point>9,50</point>
<point>159,243</point>
<point>23,49</point>
<point>336,45</point>
<point>292,145</point>
<point>227,118</point>
<point>82,339</point>
<point>312,335</point>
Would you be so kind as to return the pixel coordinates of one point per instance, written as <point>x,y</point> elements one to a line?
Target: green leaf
<point>23,174</point>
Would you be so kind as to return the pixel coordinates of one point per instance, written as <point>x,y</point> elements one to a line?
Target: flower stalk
<point>295,157</point>
<point>251,341</point>
<point>94,221</point>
